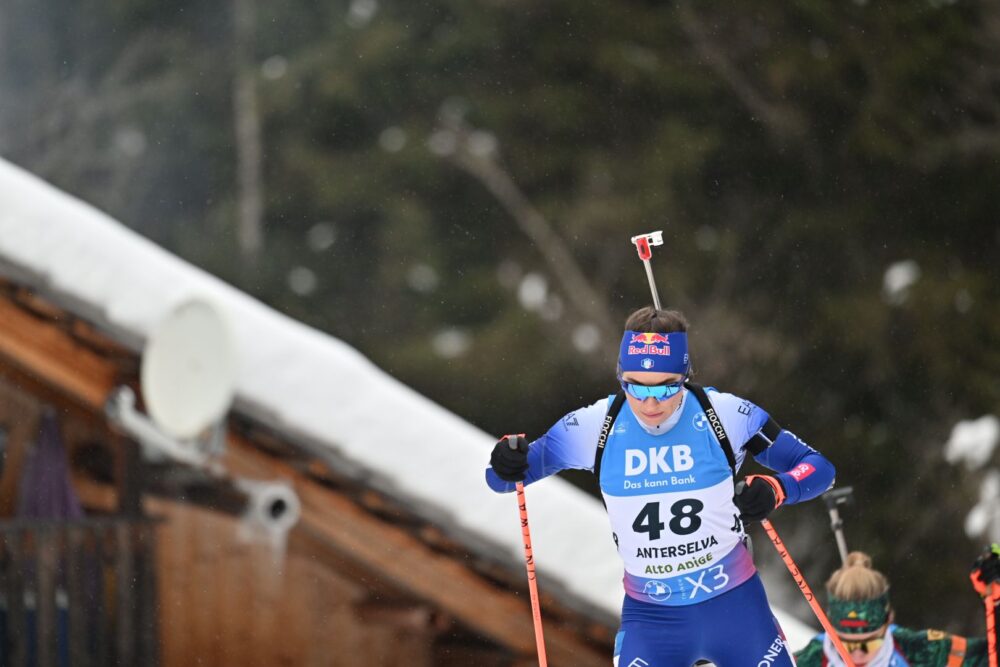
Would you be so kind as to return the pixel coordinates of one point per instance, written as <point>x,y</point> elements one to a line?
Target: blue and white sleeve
<point>570,443</point>
<point>804,473</point>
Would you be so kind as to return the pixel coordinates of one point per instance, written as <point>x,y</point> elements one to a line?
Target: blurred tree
<point>246,121</point>
<point>433,171</point>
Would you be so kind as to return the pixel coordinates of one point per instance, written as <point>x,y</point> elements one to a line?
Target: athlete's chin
<point>654,419</point>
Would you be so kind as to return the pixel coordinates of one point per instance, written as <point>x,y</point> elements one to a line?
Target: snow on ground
<point>309,385</point>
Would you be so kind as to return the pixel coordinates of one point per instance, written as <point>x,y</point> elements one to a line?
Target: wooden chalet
<point>160,571</point>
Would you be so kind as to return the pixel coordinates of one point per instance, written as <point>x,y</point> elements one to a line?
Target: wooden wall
<point>355,586</point>
<point>226,601</point>
<point>229,598</point>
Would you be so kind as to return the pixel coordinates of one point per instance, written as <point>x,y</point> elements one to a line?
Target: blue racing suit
<point>691,587</point>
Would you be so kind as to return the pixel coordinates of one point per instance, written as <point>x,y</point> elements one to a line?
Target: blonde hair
<point>856,580</point>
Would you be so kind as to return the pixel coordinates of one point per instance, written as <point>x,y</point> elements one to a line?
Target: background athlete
<point>691,589</point>
<point>859,608</point>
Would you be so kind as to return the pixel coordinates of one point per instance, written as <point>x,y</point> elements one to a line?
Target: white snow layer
<point>307,384</point>
<point>973,441</point>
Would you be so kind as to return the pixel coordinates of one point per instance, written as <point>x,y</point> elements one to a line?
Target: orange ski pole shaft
<point>991,623</point>
<point>529,561</point>
<point>807,592</point>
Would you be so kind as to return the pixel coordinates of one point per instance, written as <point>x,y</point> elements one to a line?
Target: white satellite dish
<point>188,373</point>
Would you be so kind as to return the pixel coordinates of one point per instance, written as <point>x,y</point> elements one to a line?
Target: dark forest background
<point>450,186</point>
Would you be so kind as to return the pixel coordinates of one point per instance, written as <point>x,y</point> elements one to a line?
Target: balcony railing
<point>78,593</point>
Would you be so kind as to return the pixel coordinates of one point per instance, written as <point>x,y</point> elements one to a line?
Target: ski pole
<point>986,585</point>
<point>832,498</point>
<point>529,561</point>
<point>643,244</point>
<point>991,622</point>
<point>807,592</point>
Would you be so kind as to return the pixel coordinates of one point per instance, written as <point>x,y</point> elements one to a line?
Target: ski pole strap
<point>602,439</point>
<point>714,422</point>
<point>779,493</point>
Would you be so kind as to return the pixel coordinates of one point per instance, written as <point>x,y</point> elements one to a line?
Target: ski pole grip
<point>779,493</point>
<point>511,439</point>
<point>642,245</point>
<point>841,496</point>
<point>644,242</point>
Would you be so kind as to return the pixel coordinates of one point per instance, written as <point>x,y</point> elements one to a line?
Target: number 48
<point>684,522</point>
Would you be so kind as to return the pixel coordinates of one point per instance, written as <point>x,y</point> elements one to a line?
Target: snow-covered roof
<point>310,386</point>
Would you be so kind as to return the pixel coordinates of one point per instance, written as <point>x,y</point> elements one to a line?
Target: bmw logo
<point>700,421</point>
<point>647,363</point>
<point>657,591</point>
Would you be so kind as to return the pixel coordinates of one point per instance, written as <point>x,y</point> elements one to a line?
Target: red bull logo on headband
<point>650,351</point>
<point>649,343</point>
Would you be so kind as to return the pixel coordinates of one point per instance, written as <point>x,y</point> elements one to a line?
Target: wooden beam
<point>402,617</point>
<point>46,352</point>
<point>404,560</point>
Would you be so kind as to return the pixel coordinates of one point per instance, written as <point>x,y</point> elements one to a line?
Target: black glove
<point>510,464</point>
<point>988,564</point>
<point>757,496</point>
<point>985,571</point>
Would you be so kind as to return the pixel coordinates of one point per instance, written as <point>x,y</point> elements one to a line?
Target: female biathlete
<point>858,606</point>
